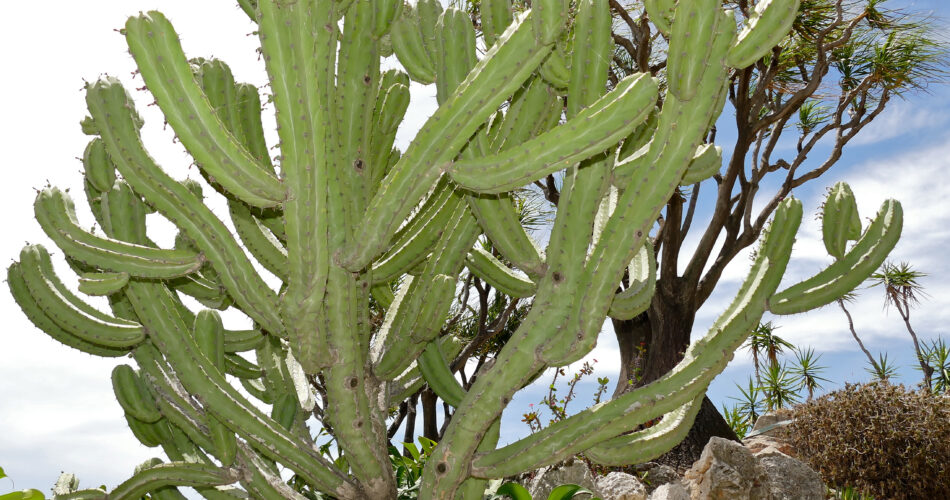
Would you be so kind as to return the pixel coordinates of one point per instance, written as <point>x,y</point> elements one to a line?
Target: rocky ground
<point>763,467</point>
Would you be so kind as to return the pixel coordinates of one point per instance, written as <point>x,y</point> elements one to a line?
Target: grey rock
<point>769,421</point>
<point>762,443</point>
<point>670,491</point>
<point>548,478</point>
<point>656,475</point>
<point>766,420</point>
<point>726,470</point>
<point>786,478</point>
<point>619,486</point>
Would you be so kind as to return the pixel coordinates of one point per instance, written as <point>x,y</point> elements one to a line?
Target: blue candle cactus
<point>342,214</point>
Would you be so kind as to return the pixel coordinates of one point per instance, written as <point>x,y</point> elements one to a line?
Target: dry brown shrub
<point>882,439</point>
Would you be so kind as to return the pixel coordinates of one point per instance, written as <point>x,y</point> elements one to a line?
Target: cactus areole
<point>341,216</point>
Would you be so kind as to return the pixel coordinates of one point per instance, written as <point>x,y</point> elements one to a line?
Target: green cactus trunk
<point>341,216</point>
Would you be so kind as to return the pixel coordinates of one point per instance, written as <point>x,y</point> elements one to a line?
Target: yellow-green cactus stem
<point>132,394</point>
<point>849,271</point>
<point>36,315</point>
<point>689,51</point>
<point>495,18</point>
<point>636,298</point>
<point>209,336</point>
<point>840,221</point>
<point>650,443</point>
<point>435,371</point>
<point>158,54</point>
<point>105,283</point>
<point>410,47</point>
<point>172,474</point>
<point>111,107</point>
<point>56,214</point>
<point>661,13</point>
<point>593,130</point>
<point>69,311</point>
<point>98,168</point>
<point>484,265</point>
<point>702,362</point>
<point>706,163</point>
<point>503,69</point>
<point>767,26</point>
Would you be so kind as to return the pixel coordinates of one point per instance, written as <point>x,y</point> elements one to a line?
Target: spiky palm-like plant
<point>779,387</point>
<point>764,342</point>
<point>937,355</point>
<point>882,369</point>
<point>903,291</point>
<point>808,371</point>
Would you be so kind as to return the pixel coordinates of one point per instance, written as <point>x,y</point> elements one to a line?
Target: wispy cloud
<point>901,118</point>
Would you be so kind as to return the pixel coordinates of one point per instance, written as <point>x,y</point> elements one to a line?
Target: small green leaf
<point>567,492</point>
<point>2,474</point>
<point>514,491</point>
<point>413,450</point>
<point>23,495</point>
<point>427,444</point>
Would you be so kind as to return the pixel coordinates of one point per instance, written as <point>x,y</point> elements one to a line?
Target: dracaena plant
<point>341,215</point>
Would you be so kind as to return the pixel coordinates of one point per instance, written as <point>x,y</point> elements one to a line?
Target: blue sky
<point>57,411</point>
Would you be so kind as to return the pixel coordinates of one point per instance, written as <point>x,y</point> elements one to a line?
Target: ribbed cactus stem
<point>355,229</point>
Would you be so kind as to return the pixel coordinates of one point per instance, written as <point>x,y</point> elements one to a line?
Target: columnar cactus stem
<point>342,219</point>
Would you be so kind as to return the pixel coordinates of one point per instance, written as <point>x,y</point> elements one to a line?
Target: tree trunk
<point>631,335</point>
<point>664,331</point>
<point>409,434</point>
<point>430,426</point>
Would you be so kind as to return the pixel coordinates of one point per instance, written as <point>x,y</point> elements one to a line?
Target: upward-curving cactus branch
<point>343,219</point>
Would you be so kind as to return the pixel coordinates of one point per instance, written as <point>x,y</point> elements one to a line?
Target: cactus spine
<point>341,215</point>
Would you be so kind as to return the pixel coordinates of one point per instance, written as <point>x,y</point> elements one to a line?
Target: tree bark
<point>631,334</point>
<point>409,434</point>
<point>430,425</point>
<point>665,330</point>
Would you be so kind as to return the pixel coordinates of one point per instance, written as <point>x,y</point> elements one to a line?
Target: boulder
<point>726,470</point>
<point>548,478</point>
<point>655,475</point>
<point>670,491</point>
<point>758,470</point>
<point>762,443</point>
<point>786,478</point>
<point>619,486</point>
<point>769,420</point>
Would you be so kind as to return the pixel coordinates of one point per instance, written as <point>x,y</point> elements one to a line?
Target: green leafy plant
<point>808,371</point>
<point>408,469</point>
<point>737,419</point>
<point>340,215</point>
<point>882,370</point>
<point>779,388</point>
<point>749,404</point>
<point>558,406</point>
<point>763,342</point>
<point>515,491</point>
<point>937,355</point>
<point>848,493</point>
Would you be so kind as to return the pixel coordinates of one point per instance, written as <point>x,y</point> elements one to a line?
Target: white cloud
<point>916,178</point>
<point>898,119</point>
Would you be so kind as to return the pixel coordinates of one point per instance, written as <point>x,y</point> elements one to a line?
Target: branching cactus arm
<point>342,218</point>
